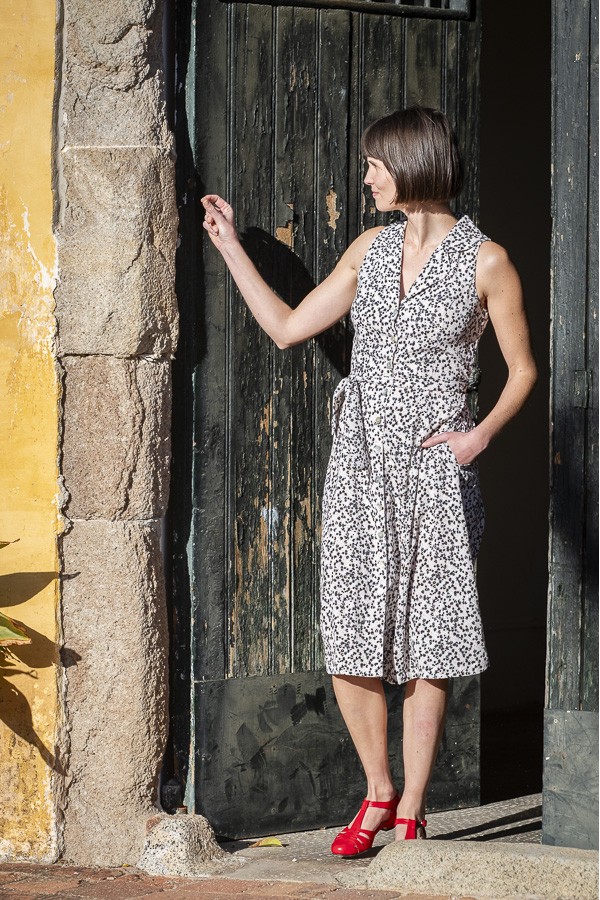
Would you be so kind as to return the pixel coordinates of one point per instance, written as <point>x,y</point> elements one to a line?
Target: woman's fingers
<point>218,220</point>
<point>217,205</point>
<point>212,200</point>
<point>212,211</point>
<point>210,217</point>
<point>437,439</point>
<point>466,445</point>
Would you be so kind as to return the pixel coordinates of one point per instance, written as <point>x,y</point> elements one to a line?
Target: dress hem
<point>413,676</point>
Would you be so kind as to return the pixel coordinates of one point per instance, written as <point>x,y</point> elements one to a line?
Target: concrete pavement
<point>492,851</point>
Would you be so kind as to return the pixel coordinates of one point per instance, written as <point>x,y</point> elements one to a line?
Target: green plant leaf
<point>12,632</point>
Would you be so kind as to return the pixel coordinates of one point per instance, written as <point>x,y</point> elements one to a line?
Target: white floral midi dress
<point>402,524</point>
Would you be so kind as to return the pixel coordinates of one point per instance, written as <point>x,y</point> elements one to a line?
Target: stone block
<point>116,687</point>
<point>116,437</point>
<point>179,845</point>
<point>112,79</point>
<point>116,243</point>
<point>485,869</point>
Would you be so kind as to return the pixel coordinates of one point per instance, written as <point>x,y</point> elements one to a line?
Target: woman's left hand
<point>466,445</point>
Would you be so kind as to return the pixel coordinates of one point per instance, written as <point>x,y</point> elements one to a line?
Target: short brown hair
<point>419,149</point>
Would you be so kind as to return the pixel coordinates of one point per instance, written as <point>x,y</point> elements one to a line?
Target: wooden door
<point>272,100</point>
<point>570,797</point>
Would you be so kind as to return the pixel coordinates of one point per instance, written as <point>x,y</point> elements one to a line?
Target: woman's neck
<point>428,224</point>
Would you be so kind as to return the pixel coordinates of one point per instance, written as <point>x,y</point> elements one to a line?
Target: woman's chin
<point>381,205</point>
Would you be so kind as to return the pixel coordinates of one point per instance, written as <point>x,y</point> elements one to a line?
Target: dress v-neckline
<point>427,264</point>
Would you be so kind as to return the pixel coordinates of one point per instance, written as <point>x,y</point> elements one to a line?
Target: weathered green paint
<point>272,103</point>
<point>570,799</point>
<point>572,681</point>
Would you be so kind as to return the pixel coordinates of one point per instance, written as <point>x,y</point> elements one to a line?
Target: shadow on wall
<point>291,280</point>
<point>25,660</point>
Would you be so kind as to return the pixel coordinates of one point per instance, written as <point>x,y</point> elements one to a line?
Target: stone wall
<point>116,224</point>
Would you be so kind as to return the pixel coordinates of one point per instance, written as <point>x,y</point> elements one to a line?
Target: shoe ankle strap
<point>422,822</point>
<point>384,804</point>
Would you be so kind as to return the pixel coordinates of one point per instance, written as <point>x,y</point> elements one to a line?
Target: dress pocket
<point>337,402</point>
<point>467,467</point>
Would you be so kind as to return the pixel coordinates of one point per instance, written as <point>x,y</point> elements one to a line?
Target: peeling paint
<point>264,427</point>
<point>34,308</point>
<point>303,522</point>
<point>285,234</point>
<point>306,509</point>
<point>270,516</point>
<point>304,79</point>
<point>332,210</point>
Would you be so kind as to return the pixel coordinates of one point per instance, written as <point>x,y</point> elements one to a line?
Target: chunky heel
<point>354,839</point>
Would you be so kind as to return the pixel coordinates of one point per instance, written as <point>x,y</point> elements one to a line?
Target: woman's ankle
<point>381,790</point>
<point>411,807</point>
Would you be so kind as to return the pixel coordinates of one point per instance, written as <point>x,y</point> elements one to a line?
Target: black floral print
<point>401,525</point>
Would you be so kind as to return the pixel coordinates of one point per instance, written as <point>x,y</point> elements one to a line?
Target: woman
<point>402,511</point>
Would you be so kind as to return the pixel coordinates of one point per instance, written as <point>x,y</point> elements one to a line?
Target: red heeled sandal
<point>411,828</point>
<point>354,839</point>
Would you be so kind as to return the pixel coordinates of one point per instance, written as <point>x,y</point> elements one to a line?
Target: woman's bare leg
<point>424,715</point>
<point>362,704</point>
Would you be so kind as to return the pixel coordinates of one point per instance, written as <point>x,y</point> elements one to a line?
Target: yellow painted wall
<point>28,429</point>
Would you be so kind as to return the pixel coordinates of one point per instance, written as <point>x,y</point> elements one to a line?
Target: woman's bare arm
<point>499,286</point>
<point>320,309</point>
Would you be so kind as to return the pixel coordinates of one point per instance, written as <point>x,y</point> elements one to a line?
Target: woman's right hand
<point>322,307</point>
<point>218,221</point>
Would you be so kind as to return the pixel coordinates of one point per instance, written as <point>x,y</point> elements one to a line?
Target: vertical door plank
<point>256,527</point>
<point>424,65</point>
<point>589,698</point>
<point>568,336</point>
<point>467,111</point>
<point>571,716</point>
<point>356,168</point>
<point>450,73</point>
<point>296,68</point>
<point>381,84</point>
<point>206,337</point>
<point>332,120</point>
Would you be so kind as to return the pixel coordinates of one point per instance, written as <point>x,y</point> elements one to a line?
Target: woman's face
<point>382,185</point>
